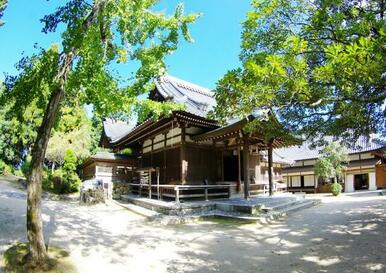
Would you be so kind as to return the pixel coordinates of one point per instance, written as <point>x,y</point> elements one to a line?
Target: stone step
<point>290,209</point>
<point>138,210</point>
<point>278,201</point>
<point>281,206</point>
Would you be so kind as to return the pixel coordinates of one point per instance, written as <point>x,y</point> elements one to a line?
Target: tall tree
<point>98,34</point>
<point>319,66</point>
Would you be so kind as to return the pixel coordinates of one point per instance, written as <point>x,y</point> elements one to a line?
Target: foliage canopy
<point>319,66</point>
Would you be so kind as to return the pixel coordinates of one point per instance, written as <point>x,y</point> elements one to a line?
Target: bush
<point>19,173</point>
<point>26,166</point>
<point>5,169</point>
<point>70,179</point>
<point>62,180</point>
<point>46,180</point>
<point>336,189</point>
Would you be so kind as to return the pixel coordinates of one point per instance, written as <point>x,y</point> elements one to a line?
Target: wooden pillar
<point>246,167</point>
<point>222,165</point>
<point>164,152</point>
<point>238,169</point>
<point>258,168</point>
<point>149,184</point>
<point>141,160</point>
<point>270,149</point>
<point>151,152</point>
<point>183,164</point>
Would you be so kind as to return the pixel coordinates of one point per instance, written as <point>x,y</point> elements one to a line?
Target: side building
<point>366,169</point>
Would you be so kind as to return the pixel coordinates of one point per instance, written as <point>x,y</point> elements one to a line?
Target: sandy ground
<point>345,234</point>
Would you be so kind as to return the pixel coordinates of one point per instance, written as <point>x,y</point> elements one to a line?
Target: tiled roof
<point>304,151</point>
<point>198,100</point>
<point>115,130</point>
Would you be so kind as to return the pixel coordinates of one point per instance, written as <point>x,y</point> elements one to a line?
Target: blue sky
<point>215,50</point>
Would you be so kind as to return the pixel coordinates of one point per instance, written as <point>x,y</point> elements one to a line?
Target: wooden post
<point>183,154</point>
<point>270,149</point>
<point>206,194</point>
<point>164,166</point>
<point>246,167</point>
<point>151,153</point>
<point>222,165</point>
<point>238,169</point>
<point>158,192</point>
<point>149,184</point>
<point>177,190</point>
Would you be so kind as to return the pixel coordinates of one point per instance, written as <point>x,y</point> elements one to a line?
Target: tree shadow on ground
<point>344,237</point>
<point>333,237</point>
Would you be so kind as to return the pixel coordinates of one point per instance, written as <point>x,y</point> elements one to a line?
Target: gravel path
<point>346,234</point>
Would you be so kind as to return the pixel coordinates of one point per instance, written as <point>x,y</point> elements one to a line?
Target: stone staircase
<point>262,209</point>
<point>270,211</point>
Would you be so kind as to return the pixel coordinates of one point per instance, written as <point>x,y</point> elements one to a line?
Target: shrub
<point>26,166</point>
<point>47,180</point>
<point>336,189</point>
<point>62,180</point>
<point>70,179</point>
<point>19,173</point>
<point>126,151</point>
<point>5,169</point>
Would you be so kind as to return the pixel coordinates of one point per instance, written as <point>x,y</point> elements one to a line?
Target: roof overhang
<point>151,127</point>
<point>236,131</point>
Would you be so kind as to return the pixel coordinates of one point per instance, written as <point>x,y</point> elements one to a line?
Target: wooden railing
<point>264,188</point>
<point>178,192</point>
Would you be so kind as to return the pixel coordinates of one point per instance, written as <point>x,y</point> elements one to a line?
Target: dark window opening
<point>361,181</point>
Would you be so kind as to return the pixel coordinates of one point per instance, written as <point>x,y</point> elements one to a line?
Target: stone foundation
<point>120,188</point>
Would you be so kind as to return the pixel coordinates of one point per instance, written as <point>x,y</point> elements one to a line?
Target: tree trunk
<point>270,148</point>
<point>37,251</point>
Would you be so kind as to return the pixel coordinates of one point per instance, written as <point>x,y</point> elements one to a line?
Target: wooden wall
<point>168,162</point>
<point>165,150</point>
<point>380,174</point>
<point>203,163</point>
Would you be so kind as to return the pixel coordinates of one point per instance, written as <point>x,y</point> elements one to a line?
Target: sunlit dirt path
<point>345,234</point>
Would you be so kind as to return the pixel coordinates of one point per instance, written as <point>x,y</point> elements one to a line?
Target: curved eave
<point>152,127</point>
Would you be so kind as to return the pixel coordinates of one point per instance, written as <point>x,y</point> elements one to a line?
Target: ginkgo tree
<point>99,35</point>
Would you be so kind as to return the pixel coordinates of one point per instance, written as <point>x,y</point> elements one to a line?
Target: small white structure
<point>109,167</point>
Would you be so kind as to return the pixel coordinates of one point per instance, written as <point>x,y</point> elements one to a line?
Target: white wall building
<point>359,175</point>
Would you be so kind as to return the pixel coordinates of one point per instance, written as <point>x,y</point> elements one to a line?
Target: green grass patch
<point>15,261</point>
